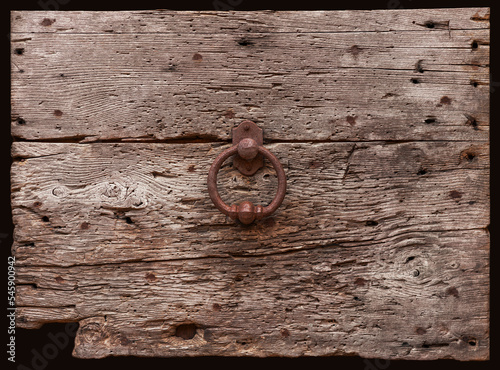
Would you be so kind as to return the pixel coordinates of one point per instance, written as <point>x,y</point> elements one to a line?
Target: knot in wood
<point>112,190</point>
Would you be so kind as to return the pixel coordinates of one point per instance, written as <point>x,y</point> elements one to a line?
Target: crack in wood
<point>348,161</point>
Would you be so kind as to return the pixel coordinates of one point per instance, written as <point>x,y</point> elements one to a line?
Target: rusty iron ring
<point>246,211</point>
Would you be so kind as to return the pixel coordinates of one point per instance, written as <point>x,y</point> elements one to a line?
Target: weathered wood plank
<point>407,299</point>
<point>169,86</point>
<point>153,198</point>
<point>196,22</point>
<point>381,246</point>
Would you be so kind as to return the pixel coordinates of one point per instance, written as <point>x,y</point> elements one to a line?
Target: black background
<point>29,340</point>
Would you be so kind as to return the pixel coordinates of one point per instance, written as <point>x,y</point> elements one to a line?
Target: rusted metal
<point>248,129</point>
<point>248,149</point>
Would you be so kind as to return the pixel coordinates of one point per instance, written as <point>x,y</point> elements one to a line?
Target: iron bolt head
<point>248,149</point>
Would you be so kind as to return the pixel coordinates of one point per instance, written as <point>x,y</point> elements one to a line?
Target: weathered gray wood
<point>199,22</point>
<point>381,246</point>
<point>321,85</point>
<point>335,192</point>
<point>420,296</point>
<point>359,220</point>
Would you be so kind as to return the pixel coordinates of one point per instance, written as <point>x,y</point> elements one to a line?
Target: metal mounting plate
<point>248,129</point>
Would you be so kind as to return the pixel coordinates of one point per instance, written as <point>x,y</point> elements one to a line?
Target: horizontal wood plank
<point>197,22</point>
<point>429,84</point>
<point>153,198</point>
<point>411,298</point>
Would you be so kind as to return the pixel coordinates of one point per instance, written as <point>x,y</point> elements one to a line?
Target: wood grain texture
<point>381,246</point>
<point>208,22</point>
<point>420,84</point>
<point>336,191</point>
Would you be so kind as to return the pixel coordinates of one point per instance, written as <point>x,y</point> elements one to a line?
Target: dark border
<point>29,340</point>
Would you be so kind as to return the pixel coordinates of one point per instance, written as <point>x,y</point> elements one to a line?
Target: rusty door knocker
<point>249,151</point>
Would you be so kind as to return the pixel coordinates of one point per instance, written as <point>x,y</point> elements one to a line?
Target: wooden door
<point>380,119</point>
